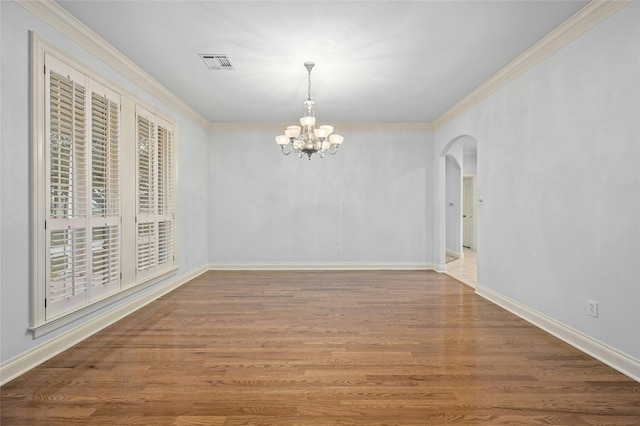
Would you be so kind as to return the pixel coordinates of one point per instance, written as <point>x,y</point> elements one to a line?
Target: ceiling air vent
<point>216,61</point>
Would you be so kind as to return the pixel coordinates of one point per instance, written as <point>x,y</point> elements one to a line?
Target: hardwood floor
<point>321,348</point>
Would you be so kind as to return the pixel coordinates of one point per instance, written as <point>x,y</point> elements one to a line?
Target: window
<point>86,224</point>
<point>155,176</point>
<point>83,180</point>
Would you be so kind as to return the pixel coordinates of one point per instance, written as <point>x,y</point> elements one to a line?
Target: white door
<point>467,213</point>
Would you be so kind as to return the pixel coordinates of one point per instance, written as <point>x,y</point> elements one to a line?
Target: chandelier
<point>306,139</point>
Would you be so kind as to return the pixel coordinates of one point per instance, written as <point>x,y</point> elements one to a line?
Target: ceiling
<point>376,61</point>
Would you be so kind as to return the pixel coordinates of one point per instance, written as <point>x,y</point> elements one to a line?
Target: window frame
<point>158,207</point>
<point>39,324</point>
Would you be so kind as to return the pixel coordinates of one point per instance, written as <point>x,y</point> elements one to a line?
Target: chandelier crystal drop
<point>306,138</point>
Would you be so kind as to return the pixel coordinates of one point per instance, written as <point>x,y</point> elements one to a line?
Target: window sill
<point>68,318</point>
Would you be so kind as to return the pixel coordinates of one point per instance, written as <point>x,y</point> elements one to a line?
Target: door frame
<point>439,237</point>
<point>474,211</point>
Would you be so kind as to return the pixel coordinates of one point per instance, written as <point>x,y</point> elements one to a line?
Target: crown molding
<point>339,126</point>
<point>587,17</point>
<point>593,13</point>
<point>62,21</point>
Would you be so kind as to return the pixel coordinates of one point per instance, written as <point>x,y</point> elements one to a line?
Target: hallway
<point>464,269</point>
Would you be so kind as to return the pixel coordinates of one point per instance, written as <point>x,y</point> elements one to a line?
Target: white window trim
<point>39,325</point>
<point>155,217</point>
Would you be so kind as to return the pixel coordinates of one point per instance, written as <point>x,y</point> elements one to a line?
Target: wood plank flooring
<point>321,348</point>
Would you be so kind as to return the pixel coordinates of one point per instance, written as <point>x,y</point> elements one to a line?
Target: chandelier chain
<point>309,90</point>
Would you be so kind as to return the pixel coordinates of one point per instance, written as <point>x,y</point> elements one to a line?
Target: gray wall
<point>559,162</point>
<point>370,199</point>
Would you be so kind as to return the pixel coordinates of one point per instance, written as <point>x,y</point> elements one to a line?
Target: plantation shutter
<point>66,235</point>
<point>146,227</point>
<point>83,230</point>
<point>155,198</point>
<point>80,209</point>
<point>105,192</point>
<point>165,196</point>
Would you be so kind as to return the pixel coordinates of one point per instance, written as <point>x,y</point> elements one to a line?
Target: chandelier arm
<point>334,150</point>
<point>288,152</point>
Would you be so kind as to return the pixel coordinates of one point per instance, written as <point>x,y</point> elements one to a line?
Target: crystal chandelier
<point>306,139</point>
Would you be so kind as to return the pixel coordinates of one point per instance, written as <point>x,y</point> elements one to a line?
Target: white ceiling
<point>376,61</point>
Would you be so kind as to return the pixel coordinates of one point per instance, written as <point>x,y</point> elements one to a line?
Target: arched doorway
<point>458,209</point>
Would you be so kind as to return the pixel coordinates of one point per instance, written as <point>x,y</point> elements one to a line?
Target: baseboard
<point>24,362</point>
<point>456,254</point>
<point>620,361</point>
<point>320,266</point>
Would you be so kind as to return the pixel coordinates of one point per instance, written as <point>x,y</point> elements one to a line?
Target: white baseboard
<point>456,254</point>
<point>620,361</point>
<point>321,266</point>
<point>441,268</point>
<point>24,362</point>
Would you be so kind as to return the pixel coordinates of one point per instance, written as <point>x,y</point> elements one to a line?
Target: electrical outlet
<point>592,308</point>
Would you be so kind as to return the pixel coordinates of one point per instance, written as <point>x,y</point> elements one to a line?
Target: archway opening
<point>459,212</point>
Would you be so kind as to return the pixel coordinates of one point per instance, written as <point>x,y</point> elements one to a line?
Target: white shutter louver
<point>165,242</point>
<point>68,265</point>
<point>146,154</point>
<point>146,246</point>
<point>105,192</point>
<point>165,172</point>
<point>165,195</point>
<point>156,176</point>
<point>67,151</point>
<point>105,255</point>
<point>66,236</point>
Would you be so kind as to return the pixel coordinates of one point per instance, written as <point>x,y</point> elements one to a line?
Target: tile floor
<point>465,269</point>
